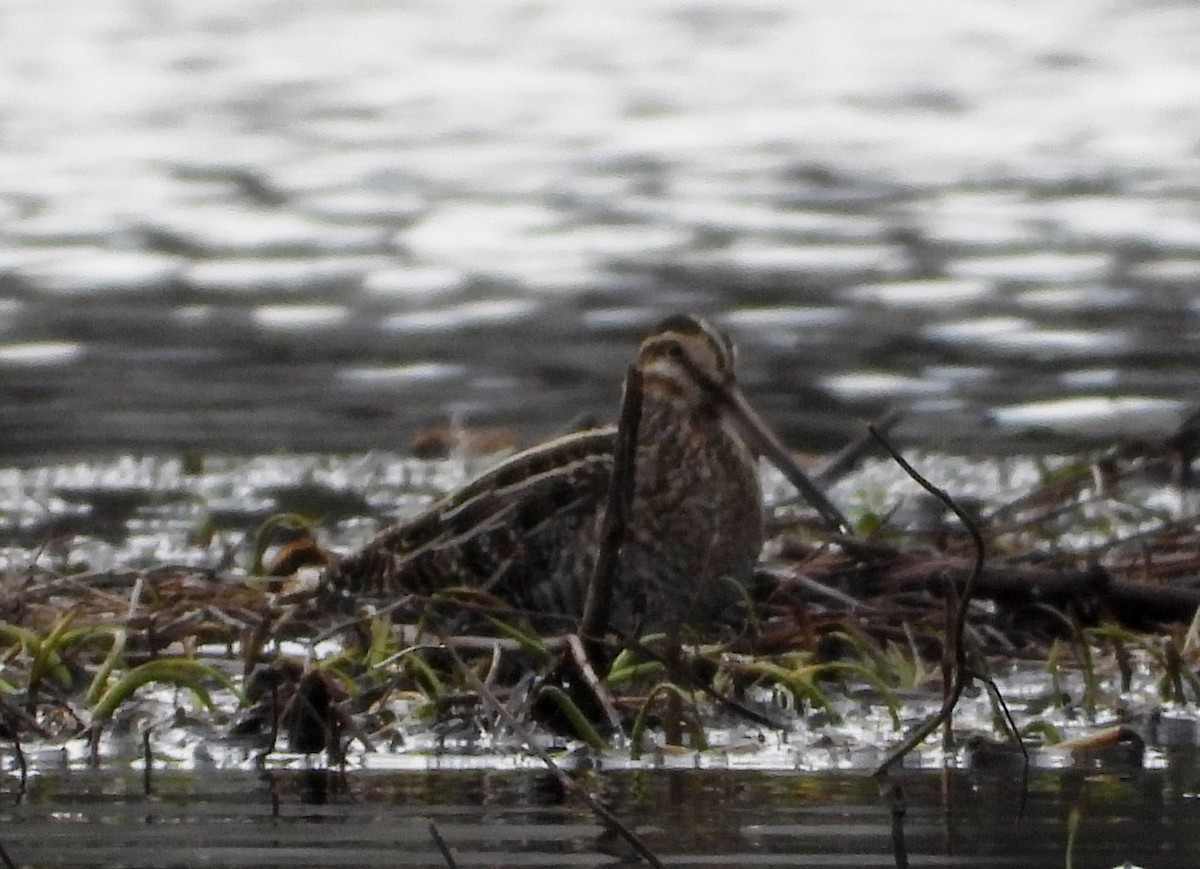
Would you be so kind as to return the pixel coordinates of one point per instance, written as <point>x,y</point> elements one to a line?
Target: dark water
<point>247,226</point>
<point>688,818</point>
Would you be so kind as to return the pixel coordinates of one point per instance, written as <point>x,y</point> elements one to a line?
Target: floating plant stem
<point>529,642</point>
<point>182,672</point>
<point>579,722</point>
<point>667,690</point>
<point>799,683</point>
<point>631,672</point>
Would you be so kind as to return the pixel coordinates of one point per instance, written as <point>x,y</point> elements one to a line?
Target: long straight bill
<point>760,436</point>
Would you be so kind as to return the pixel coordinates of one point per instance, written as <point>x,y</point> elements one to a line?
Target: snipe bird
<point>528,530</point>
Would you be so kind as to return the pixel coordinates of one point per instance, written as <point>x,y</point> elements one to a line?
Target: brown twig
<point>584,665</point>
<point>335,629</point>
<point>1128,602</point>
<point>959,622</point>
<point>598,604</point>
<point>847,458</point>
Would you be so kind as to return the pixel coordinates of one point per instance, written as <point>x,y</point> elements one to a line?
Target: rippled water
<point>247,226</point>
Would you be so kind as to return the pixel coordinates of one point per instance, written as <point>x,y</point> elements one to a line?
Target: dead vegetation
<point>829,612</point>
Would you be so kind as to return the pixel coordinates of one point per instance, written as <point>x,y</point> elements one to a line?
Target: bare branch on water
<point>958,625</point>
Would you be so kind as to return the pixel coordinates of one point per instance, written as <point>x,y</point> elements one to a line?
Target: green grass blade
<point>182,672</point>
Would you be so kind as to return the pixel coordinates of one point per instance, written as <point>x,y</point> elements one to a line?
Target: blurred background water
<point>249,225</point>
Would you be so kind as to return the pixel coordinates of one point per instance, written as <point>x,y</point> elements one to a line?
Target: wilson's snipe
<point>527,531</point>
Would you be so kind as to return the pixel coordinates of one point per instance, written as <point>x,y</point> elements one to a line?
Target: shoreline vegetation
<point>1078,575</point>
<point>827,609</point>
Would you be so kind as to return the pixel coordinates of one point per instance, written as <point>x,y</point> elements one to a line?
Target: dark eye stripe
<point>663,345</point>
<point>690,324</point>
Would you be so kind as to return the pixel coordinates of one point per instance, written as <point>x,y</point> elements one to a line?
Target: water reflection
<point>688,818</point>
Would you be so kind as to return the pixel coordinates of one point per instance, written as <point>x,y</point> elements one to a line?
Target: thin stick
<point>569,784</point>
<point>961,672</point>
<point>273,741</point>
<point>949,656</point>
<point>994,692</point>
<point>147,759</point>
<point>20,753</point>
<point>580,656</point>
<point>598,604</point>
<point>447,854</point>
<point>337,628</point>
<point>782,576</point>
<point>899,806</point>
<point>845,459</point>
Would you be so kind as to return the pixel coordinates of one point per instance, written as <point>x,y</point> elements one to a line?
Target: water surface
<point>289,818</point>
<point>246,227</point>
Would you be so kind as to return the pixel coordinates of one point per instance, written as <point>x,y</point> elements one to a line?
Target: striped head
<point>688,362</point>
<point>687,365</point>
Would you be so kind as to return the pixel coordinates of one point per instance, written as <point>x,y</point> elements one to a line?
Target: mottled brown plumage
<point>527,531</point>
